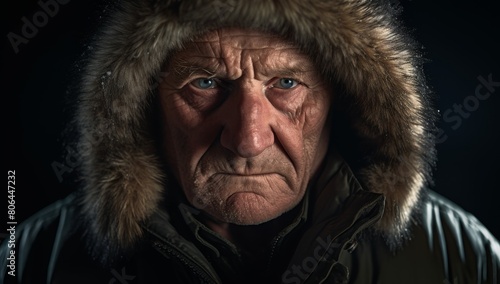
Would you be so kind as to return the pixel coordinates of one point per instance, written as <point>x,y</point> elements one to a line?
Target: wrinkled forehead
<point>232,45</point>
<point>244,39</point>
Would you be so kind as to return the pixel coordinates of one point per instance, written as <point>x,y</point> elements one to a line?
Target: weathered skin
<point>245,140</point>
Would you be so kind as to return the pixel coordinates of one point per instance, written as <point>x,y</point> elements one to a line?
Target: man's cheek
<point>292,147</point>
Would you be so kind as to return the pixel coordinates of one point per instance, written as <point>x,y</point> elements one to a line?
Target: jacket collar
<point>339,209</point>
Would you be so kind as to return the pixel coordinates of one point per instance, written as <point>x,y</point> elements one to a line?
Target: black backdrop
<point>460,42</point>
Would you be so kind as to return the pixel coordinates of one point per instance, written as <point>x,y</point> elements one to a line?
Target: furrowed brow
<point>289,72</point>
<point>296,71</point>
<point>188,68</point>
<point>287,66</point>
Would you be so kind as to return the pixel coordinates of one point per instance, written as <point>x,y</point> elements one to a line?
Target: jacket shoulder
<point>465,247</point>
<point>446,245</point>
<point>38,240</point>
<point>441,216</point>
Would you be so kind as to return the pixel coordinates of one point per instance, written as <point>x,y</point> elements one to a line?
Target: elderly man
<point>254,141</point>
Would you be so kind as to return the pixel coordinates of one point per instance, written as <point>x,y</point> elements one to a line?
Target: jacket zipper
<point>276,243</point>
<point>168,249</point>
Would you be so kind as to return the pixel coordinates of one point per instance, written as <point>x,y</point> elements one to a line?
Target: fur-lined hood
<point>383,121</point>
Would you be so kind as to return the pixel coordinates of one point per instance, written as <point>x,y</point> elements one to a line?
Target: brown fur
<point>357,46</point>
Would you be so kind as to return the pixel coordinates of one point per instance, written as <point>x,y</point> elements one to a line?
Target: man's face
<point>245,117</point>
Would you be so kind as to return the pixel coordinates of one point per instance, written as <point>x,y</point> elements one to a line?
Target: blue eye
<point>286,83</point>
<point>204,83</point>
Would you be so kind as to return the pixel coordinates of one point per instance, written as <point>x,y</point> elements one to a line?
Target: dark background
<point>459,41</point>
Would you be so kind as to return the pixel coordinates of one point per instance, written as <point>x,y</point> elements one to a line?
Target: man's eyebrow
<point>188,68</point>
<point>293,71</point>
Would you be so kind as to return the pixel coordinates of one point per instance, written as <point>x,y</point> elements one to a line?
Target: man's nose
<point>247,129</point>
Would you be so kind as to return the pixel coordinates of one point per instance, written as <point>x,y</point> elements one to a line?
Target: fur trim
<point>381,99</point>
